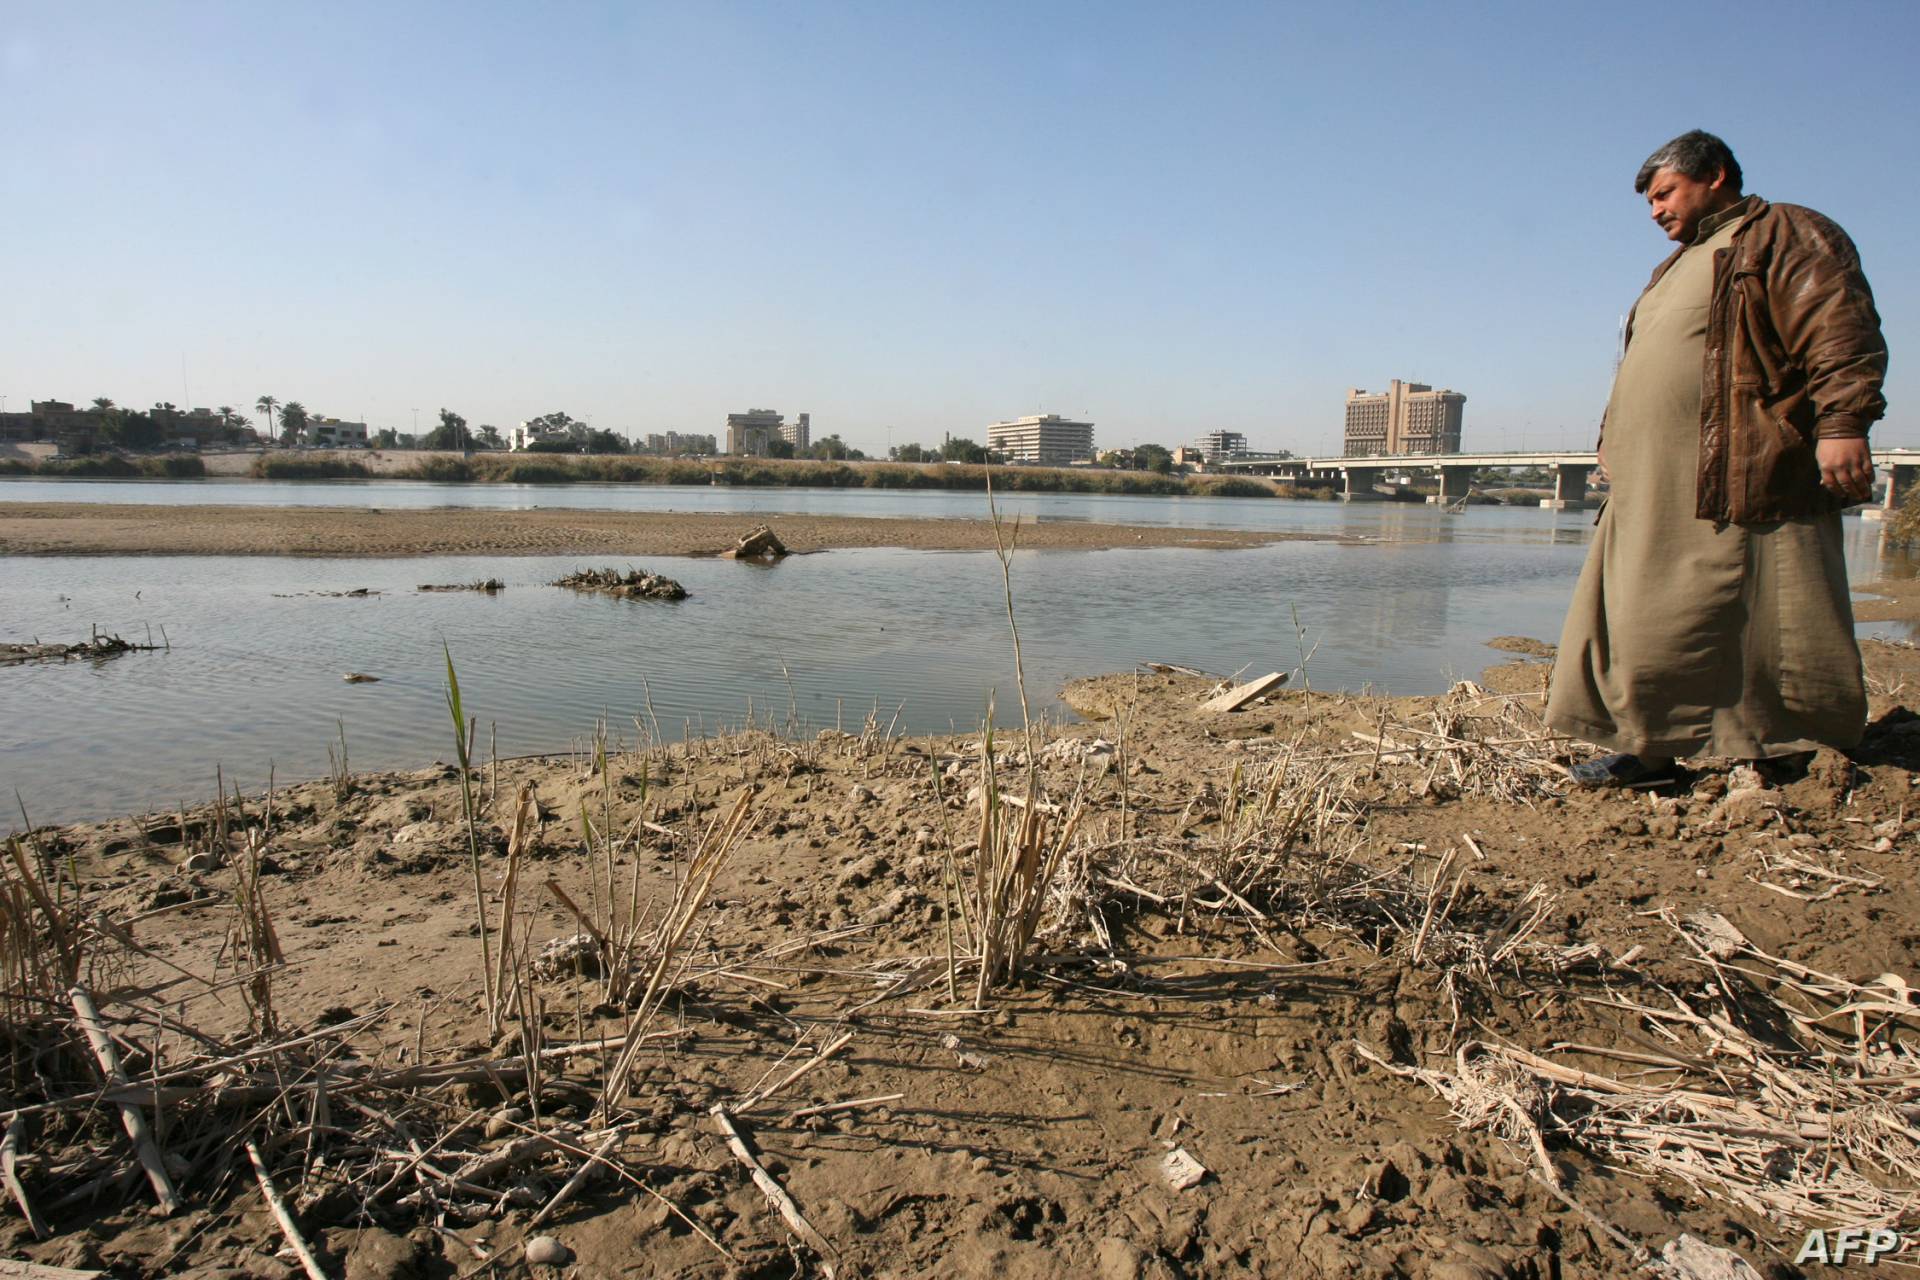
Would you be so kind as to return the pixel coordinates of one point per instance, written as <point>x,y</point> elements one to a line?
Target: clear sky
<point>909,216</point>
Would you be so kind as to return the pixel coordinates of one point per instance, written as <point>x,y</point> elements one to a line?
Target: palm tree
<point>102,403</point>
<point>266,405</point>
<point>293,418</point>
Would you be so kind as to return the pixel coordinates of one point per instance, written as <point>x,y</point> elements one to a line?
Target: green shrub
<point>298,466</point>
<point>902,477</point>
<point>1231,487</point>
<point>174,466</point>
<point>89,465</point>
<point>749,472</point>
<point>15,467</point>
<point>681,471</point>
<point>530,472</point>
<point>440,468</point>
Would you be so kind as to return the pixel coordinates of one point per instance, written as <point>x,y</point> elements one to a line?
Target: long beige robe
<point>1684,636</point>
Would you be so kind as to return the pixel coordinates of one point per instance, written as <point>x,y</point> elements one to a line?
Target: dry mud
<point>1266,922</point>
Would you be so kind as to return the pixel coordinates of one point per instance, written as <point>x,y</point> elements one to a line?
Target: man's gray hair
<point>1696,154</point>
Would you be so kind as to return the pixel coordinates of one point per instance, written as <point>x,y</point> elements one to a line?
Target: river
<point>252,681</point>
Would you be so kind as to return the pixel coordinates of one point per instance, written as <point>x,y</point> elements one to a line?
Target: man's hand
<point>1846,467</point>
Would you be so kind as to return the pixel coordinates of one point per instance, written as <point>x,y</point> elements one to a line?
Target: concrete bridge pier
<point>1455,484</point>
<point>1900,480</point>
<point>1359,484</point>
<point>1569,487</point>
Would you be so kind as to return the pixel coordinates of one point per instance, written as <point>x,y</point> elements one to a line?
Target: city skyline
<point>1236,228</point>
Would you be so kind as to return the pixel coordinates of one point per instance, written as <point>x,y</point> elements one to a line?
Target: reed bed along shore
<point>1330,985</point>
<point>521,468</point>
<point>110,466</point>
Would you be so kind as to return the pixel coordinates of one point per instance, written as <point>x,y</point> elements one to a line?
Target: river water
<point>918,638</point>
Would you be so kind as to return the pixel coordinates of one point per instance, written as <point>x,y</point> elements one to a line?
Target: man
<point>1712,615</point>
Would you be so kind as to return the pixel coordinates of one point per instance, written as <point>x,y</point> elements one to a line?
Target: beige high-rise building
<point>751,433</point>
<point>799,434</point>
<point>1408,417</point>
<point>1046,439</point>
<point>748,433</point>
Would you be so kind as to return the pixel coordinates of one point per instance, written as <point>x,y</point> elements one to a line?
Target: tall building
<point>799,434</point>
<point>1218,446</point>
<point>1046,439</point>
<point>678,442</point>
<point>749,433</point>
<point>1408,417</point>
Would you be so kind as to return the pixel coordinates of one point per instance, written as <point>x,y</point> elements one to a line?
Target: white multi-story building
<point>1046,439</point>
<point>531,433</point>
<point>1218,446</point>
<point>332,433</point>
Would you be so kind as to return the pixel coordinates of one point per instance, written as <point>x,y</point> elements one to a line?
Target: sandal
<point>1620,770</point>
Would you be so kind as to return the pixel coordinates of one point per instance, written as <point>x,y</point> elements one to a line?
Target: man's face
<point>1679,202</point>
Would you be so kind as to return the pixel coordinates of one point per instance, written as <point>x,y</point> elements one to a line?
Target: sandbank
<point>77,528</point>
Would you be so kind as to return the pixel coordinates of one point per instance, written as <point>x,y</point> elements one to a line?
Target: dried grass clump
<point>1788,1090</point>
<point>353,1122</point>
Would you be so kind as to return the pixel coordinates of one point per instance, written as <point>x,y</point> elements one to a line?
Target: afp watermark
<point>1844,1245</point>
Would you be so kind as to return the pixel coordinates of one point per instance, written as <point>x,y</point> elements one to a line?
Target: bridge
<point>1358,478</point>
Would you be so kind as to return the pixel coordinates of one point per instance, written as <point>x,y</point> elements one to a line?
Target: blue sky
<point>904,218</point>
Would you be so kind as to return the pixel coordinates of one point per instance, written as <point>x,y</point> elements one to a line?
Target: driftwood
<point>284,1217</point>
<point>759,544</point>
<point>634,584</point>
<point>1234,699</point>
<point>9,1160</point>
<point>100,646</point>
<point>131,1116</point>
<point>577,1181</point>
<point>775,1193</point>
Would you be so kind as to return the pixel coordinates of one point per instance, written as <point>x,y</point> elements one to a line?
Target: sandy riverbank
<point>1265,927</point>
<point>73,528</point>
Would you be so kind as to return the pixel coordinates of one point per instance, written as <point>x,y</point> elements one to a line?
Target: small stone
<point>545,1251</point>
<point>890,906</point>
<point>505,1121</point>
<point>1697,1260</point>
<point>860,871</point>
<point>1181,1170</point>
<point>205,860</point>
<point>1355,1221</point>
<point>859,794</point>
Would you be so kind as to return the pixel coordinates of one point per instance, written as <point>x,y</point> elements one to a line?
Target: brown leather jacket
<point>1794,355</point>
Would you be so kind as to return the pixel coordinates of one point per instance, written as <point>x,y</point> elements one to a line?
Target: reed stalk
<point>461,749</point>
